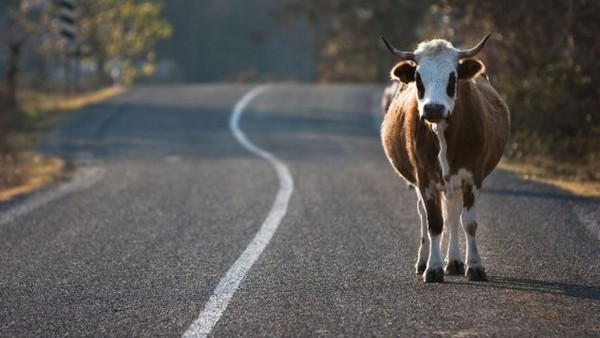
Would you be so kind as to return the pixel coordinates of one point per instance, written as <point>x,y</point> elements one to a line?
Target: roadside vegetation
<point>22,167</point>
<point>47,75</point>
<point>543,58</point>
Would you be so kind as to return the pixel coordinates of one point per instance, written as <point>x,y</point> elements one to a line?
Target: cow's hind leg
<point>452,207</point>
<point>424,246</point>
<point>475,270</point>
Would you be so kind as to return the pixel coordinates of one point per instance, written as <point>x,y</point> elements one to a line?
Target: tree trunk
<point>12,71</point>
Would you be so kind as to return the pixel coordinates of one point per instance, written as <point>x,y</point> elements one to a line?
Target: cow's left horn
<point>400,54</point>
<point>463,54</point>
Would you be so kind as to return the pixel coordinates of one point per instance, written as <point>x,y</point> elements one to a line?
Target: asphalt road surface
<point>165,200</point>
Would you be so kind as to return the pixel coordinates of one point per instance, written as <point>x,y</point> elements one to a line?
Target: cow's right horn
<point>463,54</point>
<point>400,54</point>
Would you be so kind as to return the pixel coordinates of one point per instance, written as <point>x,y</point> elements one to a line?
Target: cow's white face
<point>436,80</point>
<point>436,74</point>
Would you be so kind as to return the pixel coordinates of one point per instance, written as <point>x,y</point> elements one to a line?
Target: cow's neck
<point>439,129</point>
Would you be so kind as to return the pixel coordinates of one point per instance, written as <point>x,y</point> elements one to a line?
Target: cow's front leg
<point>475,270</point>
<point>435,223</point>
<point>452,207</point>
<point>424,246</point>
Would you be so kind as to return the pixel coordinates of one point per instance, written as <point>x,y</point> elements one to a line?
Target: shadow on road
<point>539,286</point>
<point>541,194</point>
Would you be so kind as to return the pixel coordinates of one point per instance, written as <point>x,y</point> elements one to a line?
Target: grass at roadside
<point>32,171</point>
<point>43,111</point>
<point>25,169</point>
<point>570,162</point>
<point>588,187</point>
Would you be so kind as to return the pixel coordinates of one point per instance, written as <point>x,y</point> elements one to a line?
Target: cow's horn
<point>463,54</point>
<point>400,54</point>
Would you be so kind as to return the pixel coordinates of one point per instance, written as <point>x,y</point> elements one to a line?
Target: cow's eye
<point>420,88</point>
<point>451,89</point>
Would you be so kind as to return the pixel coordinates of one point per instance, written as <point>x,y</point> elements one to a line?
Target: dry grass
<point>576,184</point>
<point>32,171</point>
<point>45,110</point>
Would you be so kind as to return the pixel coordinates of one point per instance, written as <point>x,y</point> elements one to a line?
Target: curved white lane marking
<point>85,178</point>
<point>228,285</point>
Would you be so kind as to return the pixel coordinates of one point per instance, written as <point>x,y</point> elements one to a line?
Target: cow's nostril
<point>434,112</point>
<point>434,109</point>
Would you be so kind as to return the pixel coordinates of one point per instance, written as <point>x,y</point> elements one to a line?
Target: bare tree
<point>15,41</point>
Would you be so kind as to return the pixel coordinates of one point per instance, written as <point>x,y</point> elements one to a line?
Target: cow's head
<point>436,66</point>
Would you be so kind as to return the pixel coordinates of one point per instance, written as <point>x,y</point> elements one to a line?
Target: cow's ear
<point>470,68</point>
<point>404,71</point>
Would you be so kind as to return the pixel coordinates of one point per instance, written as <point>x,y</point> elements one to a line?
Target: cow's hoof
<point>455,268</point>
<point>433,276</point>
<point>421,268</point>
<point>476,273</point>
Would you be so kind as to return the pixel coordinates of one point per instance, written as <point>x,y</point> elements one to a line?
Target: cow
<point>444,132</point>
<point>388,95</point>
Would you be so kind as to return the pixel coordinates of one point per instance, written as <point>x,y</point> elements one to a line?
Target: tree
<point>350,49</point>
<point>122,31</point>
<point>15,44</point>
<point>544,58</point>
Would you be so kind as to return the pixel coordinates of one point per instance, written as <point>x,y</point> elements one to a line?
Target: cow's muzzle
<point>434,113</point>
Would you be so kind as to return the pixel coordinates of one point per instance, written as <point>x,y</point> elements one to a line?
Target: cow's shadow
<point>552,194</point>
<point>539,286</point>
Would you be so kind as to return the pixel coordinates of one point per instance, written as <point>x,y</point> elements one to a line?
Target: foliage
<point>349,31</point>
<point>544,58</point>
<point>121,33</point>
<point>118,30</point>
<point>33,55</point>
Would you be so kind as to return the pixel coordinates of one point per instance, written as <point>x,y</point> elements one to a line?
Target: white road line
<point>85,178</point>
<point>228,285</point>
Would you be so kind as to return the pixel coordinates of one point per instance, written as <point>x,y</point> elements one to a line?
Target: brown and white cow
<point>444,132</point>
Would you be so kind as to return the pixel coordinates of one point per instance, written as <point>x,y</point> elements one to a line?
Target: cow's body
<point>446,157</point>
<point>475,134</point>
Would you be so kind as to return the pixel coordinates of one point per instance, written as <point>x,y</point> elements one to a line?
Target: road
<point>165,200</point>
